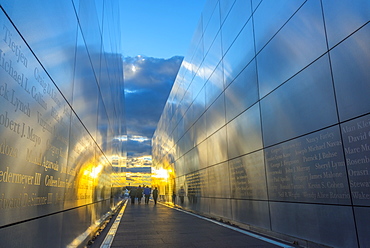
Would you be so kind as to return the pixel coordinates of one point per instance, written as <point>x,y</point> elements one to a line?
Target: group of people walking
<point>139,192</point>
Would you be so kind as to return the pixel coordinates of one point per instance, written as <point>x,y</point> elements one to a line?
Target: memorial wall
<point>60,119</point>
<point>268,123</point>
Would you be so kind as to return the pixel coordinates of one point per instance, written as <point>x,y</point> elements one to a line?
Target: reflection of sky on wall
<point>139,170</point>
<point>148,82</point>
<point>138,176</point>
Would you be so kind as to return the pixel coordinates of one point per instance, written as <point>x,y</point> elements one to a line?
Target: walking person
<point>139,194</point>
<point>174,197</point>
<point>155,195</point>
<point>147,191</point>
<point>132,195</point>
<point>182,194</point>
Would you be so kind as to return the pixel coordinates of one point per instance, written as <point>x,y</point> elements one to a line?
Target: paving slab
<point>149,225</point>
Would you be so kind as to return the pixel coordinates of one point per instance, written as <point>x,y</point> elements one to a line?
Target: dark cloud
<point>139,169</point>
<point>136,148</point>
<point>148,82</point>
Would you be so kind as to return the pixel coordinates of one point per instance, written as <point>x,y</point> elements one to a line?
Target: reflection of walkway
<point>161,226</point>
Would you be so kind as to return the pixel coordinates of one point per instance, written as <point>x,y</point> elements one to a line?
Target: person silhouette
<point>139,194</point>
<point>132,195</point>
<point>147,194</point>
<point>182,194</point>
<point>155,195</point>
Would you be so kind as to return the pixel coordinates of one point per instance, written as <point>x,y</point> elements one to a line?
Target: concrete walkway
<point>148,225</point>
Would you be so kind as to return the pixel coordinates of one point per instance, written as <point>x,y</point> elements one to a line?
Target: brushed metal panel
<point>199,104</point>
<point>188,96</point>
<point>309,169</point>
<point>106,88</point>
<point>356,134</point>
<point>291,110</point>
<point>242,92</point>
<point>211,25</point>
<point>255,4</point>
<point>203,183</point>
<point>180,167</point>
<point>215,115</point>
<point>240,53</point>
<point>52,36</point>
<point>215,85</point>
<point>28,233</point>
<point>212,58</point>
<point>251,212</point>
<point>202,205</point>
<point>180,129</point>
<point>362,216</point>
<point>296,45</point>
<point>351,76</point>
<point>81,163</point>
<point>180,182</point>
<point>85,91</point>
<point>218,181</point>
<point>103,127</point>
<point>195,54</point>
<point>91,30</point>
<point>343,18</point>
<point>239,14</point>
<point>304,221</point>
<point>185,143</point>
<point>200,133</point>
<point>278,13</point>
<point>189,117</point>
<point>192,161</point>
<point>36,181</point>
<point>225,6</point>
<point>196,186</point>
<point>247,177</point>
<point>220,208</point>
<point>74,228</point>
<point>100,175</point>
<point>197,85</point>
<point>34,132</point>
<point>216,147</point>
<point>202,154</point>
<point>244,133</point>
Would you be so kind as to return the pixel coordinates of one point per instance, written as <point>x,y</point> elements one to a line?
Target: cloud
<point>143,161</point>
<point>148,82</point>
<point>136,148</point>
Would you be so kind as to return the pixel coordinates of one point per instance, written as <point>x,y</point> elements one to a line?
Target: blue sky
<point>156,36</point>
<point>148,82</point>
<point>158,28</point>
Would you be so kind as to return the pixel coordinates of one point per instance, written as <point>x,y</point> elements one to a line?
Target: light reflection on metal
<point>64,148</point>
<point>262,116</point>
<point>161,173</point>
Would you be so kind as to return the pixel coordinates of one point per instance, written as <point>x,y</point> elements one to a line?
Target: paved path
<point>148,225</point>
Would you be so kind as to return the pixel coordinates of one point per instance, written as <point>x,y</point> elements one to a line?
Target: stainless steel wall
<point>61,119</point>
<point>268,123</point>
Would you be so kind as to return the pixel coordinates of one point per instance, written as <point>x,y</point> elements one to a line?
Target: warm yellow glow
<point>160,173</point>
<point>96,171</point>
